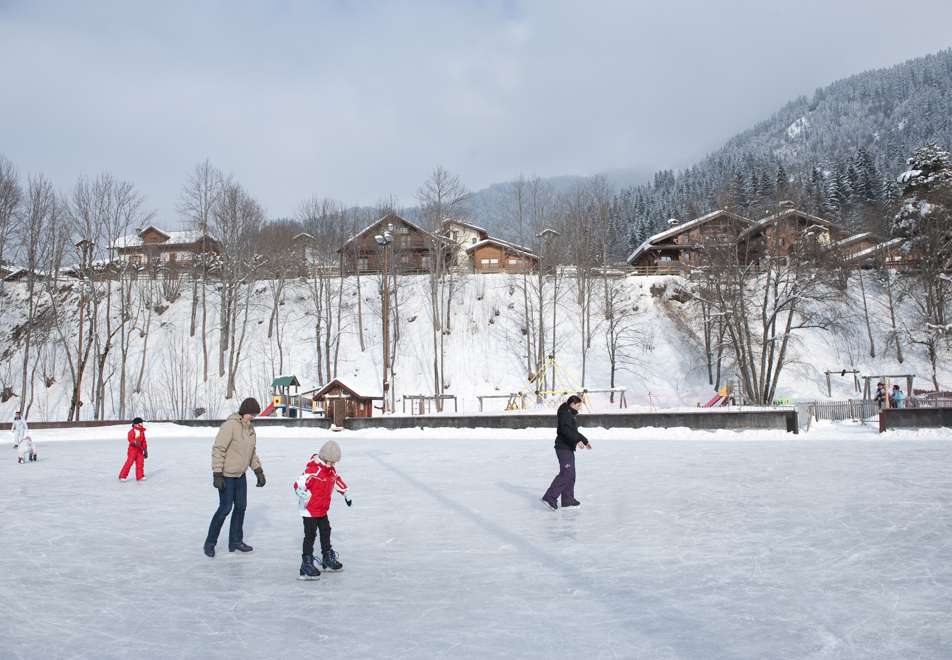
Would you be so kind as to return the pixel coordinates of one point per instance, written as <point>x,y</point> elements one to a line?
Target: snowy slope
<point>484,349</point>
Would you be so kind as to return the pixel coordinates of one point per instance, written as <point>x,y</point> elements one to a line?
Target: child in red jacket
<point>138,451</point>
<point>314,489</point>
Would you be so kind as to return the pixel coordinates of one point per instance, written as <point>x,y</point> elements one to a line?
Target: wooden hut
<point>352,399</point>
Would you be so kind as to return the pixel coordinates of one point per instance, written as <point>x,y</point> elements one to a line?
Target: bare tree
<point>763,300</point>
<point>39,241</point>
<point>441,196</point>
<point>11,197</point>
<point>200,195</point>
<point>236,221</point>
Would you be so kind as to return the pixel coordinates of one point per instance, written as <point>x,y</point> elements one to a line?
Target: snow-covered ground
<point>485,351</point>
<point>689,544</point>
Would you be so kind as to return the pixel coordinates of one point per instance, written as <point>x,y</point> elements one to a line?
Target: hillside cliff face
<point>485,349</point>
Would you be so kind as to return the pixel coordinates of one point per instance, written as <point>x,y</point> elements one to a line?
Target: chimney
<point>673,222</point>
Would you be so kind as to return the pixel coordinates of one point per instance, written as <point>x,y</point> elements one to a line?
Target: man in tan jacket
<point>232,455</point>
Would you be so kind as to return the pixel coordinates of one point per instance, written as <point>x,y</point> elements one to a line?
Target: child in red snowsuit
<point>138,451</point>
<point>314,489</point>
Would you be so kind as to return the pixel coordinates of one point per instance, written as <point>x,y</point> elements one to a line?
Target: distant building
<point>777,235</point>
<point>460,236</point>
<point>169,253</point>
<point>682,246</point>
<point>410,251</point>
<point>492,255</point>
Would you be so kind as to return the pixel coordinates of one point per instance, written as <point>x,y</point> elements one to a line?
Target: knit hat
<point>330,452</point>
<point>137,421</point>
<point>249,407</point>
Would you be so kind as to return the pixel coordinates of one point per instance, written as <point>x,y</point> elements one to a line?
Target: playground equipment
<point>281,398</point>
<point>720,399</point>
<point>855,372</point>
<point>531,396</point>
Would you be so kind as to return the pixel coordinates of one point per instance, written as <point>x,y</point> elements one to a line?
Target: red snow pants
<point>134,456</point>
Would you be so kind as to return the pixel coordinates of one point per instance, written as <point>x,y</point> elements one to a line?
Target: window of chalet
<point>665,258</point>
<point>494,261</point>
<point>362,263</point>
<point>474,241</point>
<point>425,261</point>
<point>484,262</point>
<point>455,235</point>
<point>405,241</point>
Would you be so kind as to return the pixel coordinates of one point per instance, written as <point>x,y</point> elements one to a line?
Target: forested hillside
<point>837,154</point>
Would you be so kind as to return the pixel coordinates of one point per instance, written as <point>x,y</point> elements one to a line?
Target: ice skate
<point>308,570</point>
<point>574,505</point>
<point>20,460</point>
<point>329,562</point>
<point>32,457</point>
<point>122,481</point>
<point>143,479</point>
<point>552,506</point>
<point>240,548</point>
<point>210,550</point>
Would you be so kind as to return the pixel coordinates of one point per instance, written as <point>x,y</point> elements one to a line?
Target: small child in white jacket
<point>26,450</point>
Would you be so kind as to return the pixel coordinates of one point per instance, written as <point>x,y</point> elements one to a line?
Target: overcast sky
<point>361,100</point>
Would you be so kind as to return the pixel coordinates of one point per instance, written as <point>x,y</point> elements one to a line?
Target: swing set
<point>562,385</point>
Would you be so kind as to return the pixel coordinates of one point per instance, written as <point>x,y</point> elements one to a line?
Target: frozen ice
<point>688,544</point>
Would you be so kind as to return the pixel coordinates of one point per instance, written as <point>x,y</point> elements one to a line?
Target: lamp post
<point>384,240</point>
<point>549,235</point>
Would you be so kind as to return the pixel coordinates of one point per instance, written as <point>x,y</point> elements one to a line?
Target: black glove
<point>219,481</point>
<point>136,444</point>
<point>261,480</point>
<point>145,454</point>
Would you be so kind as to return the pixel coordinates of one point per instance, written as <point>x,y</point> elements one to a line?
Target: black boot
<point>308,570</point>
<point>210,549</point>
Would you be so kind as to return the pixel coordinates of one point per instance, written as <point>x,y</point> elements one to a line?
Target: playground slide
<point>267,411</point>
<point>720,399</point>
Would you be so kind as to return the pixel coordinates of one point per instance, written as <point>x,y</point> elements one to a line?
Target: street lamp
<point>549,235</point>
<point>384,242</point>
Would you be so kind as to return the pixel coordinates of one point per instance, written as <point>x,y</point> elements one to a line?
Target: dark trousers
<point>564,483</point>
<point>311,526</point>
<point>235,494</point>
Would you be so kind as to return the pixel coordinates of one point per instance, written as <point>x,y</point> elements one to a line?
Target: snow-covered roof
<point>505,244</point>
<point>453,221</point>
<point>356,386</point>
<point>376,224</point>
<point>680,229</point>
<point>855,238</point>
<point>187,237</point>
<point>875,250</point>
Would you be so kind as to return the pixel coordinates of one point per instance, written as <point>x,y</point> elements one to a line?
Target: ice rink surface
<point>832,544</point>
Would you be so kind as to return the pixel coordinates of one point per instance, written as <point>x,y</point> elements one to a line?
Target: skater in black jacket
<point>566,440</point>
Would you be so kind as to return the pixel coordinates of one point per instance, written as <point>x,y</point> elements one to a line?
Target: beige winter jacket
<point>234,450</point>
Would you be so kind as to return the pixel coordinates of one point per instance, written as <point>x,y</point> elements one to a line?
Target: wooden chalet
<point>492,255</point>
<point>411,250</point>
<point>681,247</point>
<point>341,400</point>
<point>777,235</point>
<point>169,253</point>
